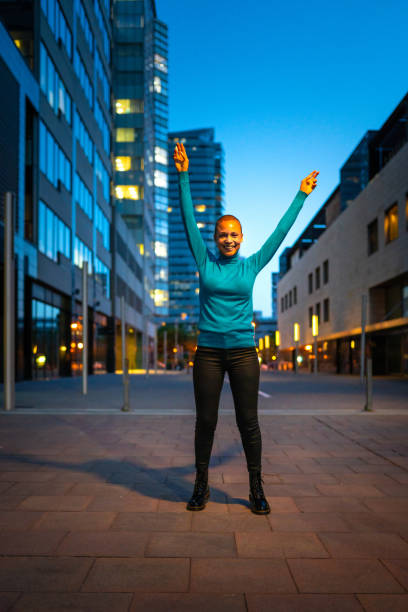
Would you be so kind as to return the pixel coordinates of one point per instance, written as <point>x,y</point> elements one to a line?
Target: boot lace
<point>256,486</point>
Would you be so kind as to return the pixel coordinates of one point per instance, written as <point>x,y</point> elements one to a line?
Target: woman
<point>226,337</point>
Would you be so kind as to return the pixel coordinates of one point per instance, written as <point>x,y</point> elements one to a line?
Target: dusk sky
<point>289,87</point>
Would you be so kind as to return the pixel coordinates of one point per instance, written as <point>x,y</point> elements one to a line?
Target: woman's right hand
<point>180,157</point>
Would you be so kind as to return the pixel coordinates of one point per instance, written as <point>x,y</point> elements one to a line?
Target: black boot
<point>257,501</point>
<point>201,492</point>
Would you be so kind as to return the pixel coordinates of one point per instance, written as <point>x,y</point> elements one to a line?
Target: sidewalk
<point>93,515</point>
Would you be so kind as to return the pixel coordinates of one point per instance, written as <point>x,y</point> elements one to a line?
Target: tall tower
<point>206,170</point>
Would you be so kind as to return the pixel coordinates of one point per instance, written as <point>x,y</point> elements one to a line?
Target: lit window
<point>141,249</point>
<point>157,84</point>
<point>200,207</point>
<point>161,297</point>
<point>127,192</point>
<point>197,290</point>
<point>160,179</point>
<point>125,135</point>
<point>160,62</point>
<point>169,209</point>
<point>124,107</point>
<point>160,249</point>
<point>200,225</point>
<point>391,223</point>
<point>122,164</point>
<point>160,155</point>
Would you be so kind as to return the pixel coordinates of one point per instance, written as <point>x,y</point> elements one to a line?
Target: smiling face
<point>228,235</point>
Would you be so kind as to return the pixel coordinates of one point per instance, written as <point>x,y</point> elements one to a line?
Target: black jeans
<point>242,365</point>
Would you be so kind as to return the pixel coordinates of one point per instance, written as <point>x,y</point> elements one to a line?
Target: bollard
<point>369,386</point>
<point>126,406</point>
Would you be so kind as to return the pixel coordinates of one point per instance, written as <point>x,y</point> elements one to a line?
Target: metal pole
<point>176,343</point>
<point>9,304</point>
<point>296,353</point>
<point>315,356</point>
<point>165,348</point>
<point>126,405</point>
<point>369,385</point>
<point>363,335</point>
<point>155,351</point>
<point>123,332</point>
<point>85,327</point>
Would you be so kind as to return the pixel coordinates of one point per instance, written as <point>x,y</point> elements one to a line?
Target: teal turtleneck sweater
<point>226,283</point>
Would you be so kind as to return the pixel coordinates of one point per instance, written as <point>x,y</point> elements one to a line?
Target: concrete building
<point>357,249</point>
<point>206,172</point>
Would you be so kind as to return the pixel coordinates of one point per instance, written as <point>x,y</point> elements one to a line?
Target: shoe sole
<point>197,508</point>
<point>252,507</point>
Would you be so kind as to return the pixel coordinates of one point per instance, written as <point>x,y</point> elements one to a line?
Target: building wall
<point>352,272</point>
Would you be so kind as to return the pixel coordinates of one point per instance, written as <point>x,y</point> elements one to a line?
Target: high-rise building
<point>140,140</point>
<point>55,67</point>
<point>206,171</point>
<point>274,295</point>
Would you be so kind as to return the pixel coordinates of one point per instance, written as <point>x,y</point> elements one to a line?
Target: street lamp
<point>277,344</point>
<point>296,335</point>
<point>315,331</point>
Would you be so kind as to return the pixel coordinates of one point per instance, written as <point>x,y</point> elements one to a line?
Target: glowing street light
<point>315,332</point>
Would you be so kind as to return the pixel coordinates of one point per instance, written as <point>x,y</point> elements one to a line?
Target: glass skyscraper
<point>206,171</point>
<point>140,147</point>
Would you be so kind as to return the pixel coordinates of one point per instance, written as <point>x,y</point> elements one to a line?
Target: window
<point>282,305</point>
<point>160,179</point>
<point>53,87</point>
<point>325,271</point>
<point>102,276</point>
<point>126,106</point>
<point>200,207</point>
<point>127,192</point>
<point>286,300</point>
<point>83,78</point>
<point>160,62</point>
<point>160,155</point>
<point>122,164</point>
<point>317,308</point>
<point>82,253</point>
<point>295,295</point>
<point>310,277</point>
<point>290,298</point>
<point>53,162</point>
<point>102,225</point>
<point>86,28</point>
<point>58,24</point>
<point>391,223</point>
<point>100,71</point>
<point>101,23</point>
<point>103,176</point>
<point>53,235</point>
<point>326,314</point>
<point>125,134</point>
<point>372,236</point>
<point>82,195</point>
<point>310,315</point>
<point>103,126</point>
<point>83,137</point>
<point>317,278</point>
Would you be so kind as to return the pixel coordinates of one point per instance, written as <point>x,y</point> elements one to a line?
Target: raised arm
<point>195,240</point>
<point>269,248</point>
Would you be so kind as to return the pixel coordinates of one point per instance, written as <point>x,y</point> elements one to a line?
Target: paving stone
<point>387,504</point>
<point>275,545</point>
<point>178,505</point>
<point>25,489</point>
<point>25,476</point>
<point>30,542</point>
<point>55,502</point>
<point>191,544</point>
<point>135,575</point>
<point>186,602</point>
<point>365,545</point>
<point>125,503</point>
<point>154,521</point>
<point>14,520</point>
<point>384,603</point>
<point>278,505</point>
<point>342,576</point>
<point>371,521</point>
<point>329,504</point>
<point>10,502</point>
<point>104,544</point>
<point>241,575</point>
<point>349,490</point>
<point>248,521</point>
<point>399,569</point>
<point>7,600</point>
<point>308,522</point>
<point>42,573</point>
<point>83,602</point>
<point>75,521</point>
<point>302,603</point>
<point>310,479</point>
<point>394,490</point>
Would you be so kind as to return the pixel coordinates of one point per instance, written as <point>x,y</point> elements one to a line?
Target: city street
<point>93,499</point>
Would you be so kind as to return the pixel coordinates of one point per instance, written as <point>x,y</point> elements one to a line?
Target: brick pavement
<point>92,515</point>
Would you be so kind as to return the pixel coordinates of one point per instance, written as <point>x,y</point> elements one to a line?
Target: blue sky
<point>289,87</point>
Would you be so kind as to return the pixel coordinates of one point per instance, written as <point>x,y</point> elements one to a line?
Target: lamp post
<point>277,344</point>
<point>296,335</point>
<point>315,331</point>
<point>267,351</point>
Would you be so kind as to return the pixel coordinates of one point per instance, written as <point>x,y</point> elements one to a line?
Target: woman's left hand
<point>309,183</point>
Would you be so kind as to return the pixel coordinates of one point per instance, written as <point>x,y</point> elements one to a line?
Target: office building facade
<point>206,171</point>
<point>362,251</point>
